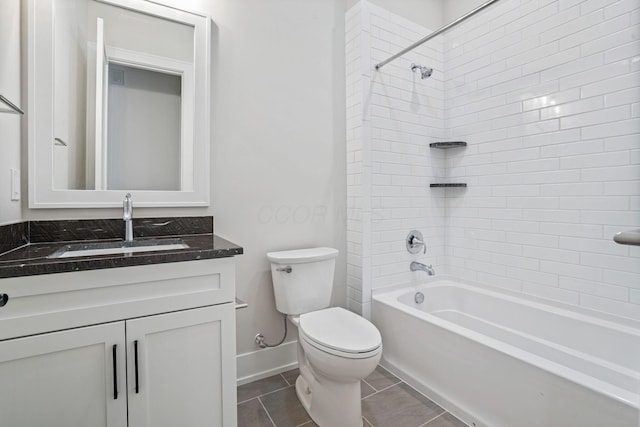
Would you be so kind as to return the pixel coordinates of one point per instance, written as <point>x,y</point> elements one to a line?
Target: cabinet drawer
<point>59,301</point>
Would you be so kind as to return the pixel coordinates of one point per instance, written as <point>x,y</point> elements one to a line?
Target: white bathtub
<point>497,359</point>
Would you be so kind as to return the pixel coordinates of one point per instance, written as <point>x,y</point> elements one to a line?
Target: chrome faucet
<point>127,216</point>
<point>418,266</point>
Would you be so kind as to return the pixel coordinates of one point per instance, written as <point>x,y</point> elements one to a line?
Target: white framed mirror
<point>118,101</point>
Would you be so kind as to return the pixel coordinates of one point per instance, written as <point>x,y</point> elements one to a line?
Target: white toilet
<point>336,348</point>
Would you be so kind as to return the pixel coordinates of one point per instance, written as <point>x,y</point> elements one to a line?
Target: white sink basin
<point>113,248</point>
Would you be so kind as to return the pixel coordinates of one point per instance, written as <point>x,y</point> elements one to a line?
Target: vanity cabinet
<point>64,378</point>
<point>160,350</point>
<point>180,364</point>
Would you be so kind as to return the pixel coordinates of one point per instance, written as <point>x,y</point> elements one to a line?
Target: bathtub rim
<point>389,297</point>
<point>629,322</point>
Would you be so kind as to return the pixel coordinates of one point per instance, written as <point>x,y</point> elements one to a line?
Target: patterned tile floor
<point>386,402</point>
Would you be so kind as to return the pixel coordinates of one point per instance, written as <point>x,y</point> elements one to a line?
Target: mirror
<point>127,109</point>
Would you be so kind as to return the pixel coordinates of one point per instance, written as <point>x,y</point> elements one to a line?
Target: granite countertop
<point>30,258</point>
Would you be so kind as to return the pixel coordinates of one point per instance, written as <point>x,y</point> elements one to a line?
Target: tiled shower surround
<point>547,95</point>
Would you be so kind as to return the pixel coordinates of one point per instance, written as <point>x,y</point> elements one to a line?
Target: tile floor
<point>386,402</point>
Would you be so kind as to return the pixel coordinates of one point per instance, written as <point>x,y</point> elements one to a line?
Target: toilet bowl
<point>336,347</point>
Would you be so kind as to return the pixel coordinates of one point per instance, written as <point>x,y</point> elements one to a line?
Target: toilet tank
<point>302,279</point>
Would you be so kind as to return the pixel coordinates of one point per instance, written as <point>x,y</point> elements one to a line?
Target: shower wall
<point>547,94</point>
<point>391,119</point>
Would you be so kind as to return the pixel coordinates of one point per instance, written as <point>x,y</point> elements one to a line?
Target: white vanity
<point>129,339</point>
<point>141,345</point>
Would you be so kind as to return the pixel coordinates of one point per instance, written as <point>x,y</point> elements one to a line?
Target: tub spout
<point>418,266</point>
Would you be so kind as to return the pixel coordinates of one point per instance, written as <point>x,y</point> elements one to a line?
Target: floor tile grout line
<point>425,396</point>
<point>245,401</point>
<point>266,412</point>
<point>383,389</point>
<point>386,370</point>
<point>285,379</point>
<point>364,381</point>
<point>437,416</point>
<point>368,422</point>
<point>274,391</point>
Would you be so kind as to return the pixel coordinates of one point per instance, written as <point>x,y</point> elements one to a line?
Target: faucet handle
<point>415,241</point>
<point>127,207</point>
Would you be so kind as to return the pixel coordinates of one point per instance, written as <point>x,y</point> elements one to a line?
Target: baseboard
<point>264,363</point>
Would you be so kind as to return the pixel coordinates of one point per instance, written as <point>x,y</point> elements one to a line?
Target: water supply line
<point>259,339</point>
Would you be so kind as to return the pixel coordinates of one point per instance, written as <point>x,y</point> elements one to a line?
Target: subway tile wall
<point>547,95</point>
<point>392,116</point>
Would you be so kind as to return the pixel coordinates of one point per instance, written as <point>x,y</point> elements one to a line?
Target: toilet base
<point>335,404</point>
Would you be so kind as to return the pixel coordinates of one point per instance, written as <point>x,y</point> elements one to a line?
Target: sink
<point>115,248</point>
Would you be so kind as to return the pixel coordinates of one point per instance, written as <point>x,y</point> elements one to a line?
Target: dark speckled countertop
<point>27,245</point>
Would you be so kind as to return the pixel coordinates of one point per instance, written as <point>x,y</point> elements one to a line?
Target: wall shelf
<point>445,145</point>
<point>448,144</point>
<point>449,185</point>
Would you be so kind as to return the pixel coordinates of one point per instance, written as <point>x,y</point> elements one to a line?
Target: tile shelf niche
<point>448,144</point>
<point>445,145</point>
<point>448,185</point>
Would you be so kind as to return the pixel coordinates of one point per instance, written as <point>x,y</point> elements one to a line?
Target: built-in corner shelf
<point>449,185</point>
<point>448,144</point>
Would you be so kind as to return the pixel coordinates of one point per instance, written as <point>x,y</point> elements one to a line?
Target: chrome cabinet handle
<point>286,269</point>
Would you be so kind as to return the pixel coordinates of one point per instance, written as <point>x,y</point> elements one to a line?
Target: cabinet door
<point>64,379</point>
<point>186,369</point>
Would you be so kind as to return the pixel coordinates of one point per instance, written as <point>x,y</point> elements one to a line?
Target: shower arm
<point>435,33</point>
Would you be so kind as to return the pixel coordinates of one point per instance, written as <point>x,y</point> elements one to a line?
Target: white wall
<point>10,131</point>
<point>453,9</point>
<point>427,13</point>
<point>547,94</point>
<point>392,117</point>
<point>278,132</point>
<point>278,158</point>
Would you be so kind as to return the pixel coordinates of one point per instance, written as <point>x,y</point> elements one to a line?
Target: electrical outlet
<point>15,184</point>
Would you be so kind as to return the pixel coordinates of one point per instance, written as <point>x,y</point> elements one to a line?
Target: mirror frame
<point>40,114</point>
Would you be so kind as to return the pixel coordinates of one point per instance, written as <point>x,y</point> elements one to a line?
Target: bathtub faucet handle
<point>415,242</point>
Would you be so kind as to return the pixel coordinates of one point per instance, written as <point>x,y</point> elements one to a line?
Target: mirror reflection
<point>123,99</point>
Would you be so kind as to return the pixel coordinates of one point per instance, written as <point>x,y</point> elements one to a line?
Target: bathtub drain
<point>419,298</point>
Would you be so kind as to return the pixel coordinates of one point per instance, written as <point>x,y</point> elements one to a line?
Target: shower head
<point>425,72</point>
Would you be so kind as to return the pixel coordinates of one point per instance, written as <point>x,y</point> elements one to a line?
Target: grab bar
<point>631,237</point>
<point>14,108</point>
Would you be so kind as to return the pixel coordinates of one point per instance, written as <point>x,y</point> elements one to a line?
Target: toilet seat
<point>340,332</point>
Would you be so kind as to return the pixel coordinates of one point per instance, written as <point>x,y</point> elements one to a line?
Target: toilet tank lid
<point>298,256</point>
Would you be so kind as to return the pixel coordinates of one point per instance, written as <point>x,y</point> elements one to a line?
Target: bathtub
<point>495,358</point>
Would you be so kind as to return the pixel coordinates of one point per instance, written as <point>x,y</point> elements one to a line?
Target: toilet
<point>336,347</point>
